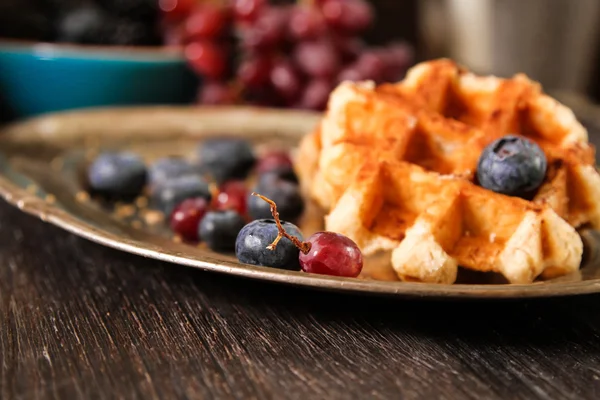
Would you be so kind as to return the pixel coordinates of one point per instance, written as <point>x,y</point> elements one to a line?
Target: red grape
<point>332,254</point>
<point>306,23</point>
<point>350,16</point>
<point>397,57</point>
<point>206,21</point>
<point>233,196</point>
<point>254,72</point>
<point>371,65</point>
<point>247,10</point>
<point>267,31</point>
<point>186,217</point>
<point>175,10</point>
<point>315,95</point>
<point>318,59</point>
<point>351,73</point>
<point>349,47</point>
<point>206,58</point>
<point>216,93</point>
<point>173,35</point>
<point>285,79</point>
<point>274,160</point>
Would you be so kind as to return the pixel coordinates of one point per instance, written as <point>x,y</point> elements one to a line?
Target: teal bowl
<point>37,78</point>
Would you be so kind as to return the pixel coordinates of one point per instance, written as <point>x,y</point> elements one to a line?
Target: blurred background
<point>65,54</point>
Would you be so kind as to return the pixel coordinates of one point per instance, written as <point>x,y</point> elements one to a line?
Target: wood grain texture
<point>81,321</point>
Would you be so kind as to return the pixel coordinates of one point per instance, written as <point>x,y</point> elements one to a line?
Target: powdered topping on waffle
<point>395,166</point>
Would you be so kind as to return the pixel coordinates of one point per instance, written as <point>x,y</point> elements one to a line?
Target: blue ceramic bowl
<point>36,78</point>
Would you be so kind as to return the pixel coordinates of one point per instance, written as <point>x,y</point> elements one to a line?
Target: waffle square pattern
<point>395,168</point>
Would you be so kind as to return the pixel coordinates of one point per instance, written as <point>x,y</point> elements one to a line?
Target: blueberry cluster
<point>208,200</point>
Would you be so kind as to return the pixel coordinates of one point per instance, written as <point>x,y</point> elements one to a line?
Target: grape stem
<point>303,246</point>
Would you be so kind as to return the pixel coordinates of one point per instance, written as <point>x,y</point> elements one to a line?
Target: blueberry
<point>168,168</point>
<point>251,245</point>
<point>285,194</point>
<point>117,174</point>
<point>226,159</point>
<point>512,165</point>
<point>168,194</point>
<point>219,229</point>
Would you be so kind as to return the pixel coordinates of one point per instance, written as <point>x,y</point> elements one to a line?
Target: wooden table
<point>78,320</point>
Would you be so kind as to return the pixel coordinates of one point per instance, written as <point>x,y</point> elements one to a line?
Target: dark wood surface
<point>81,321</point>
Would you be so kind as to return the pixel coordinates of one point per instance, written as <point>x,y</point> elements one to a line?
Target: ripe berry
<point>279,164</point>
<point>331,254</point>
<point>512,165</point>
<point>175,10</point>
<point>206,22</point>
<point>219,229</point>
<point>168,194</point>
<point>348,16</point>
<point>306,23</point>
<point>226,159</point>
<point>168,168</point>
<point>267,31</point>
<point>186,217</point>
<point>316,94</point>
<point>254,72</point>
<point>206,58</point>
<point>117,175</point>
<point>285,80</point>
<point>285,194</point>
<point>317,59</point>
<point>247,10</point>
<point>253,240</point>
<point>232,196</point>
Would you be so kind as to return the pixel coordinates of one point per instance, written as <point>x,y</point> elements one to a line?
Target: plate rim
<point>50,213</point>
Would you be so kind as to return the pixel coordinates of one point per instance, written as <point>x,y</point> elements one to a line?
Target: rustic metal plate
<point>41,163</point>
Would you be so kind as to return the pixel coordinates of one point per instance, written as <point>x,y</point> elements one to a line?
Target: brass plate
<point>41,162</point>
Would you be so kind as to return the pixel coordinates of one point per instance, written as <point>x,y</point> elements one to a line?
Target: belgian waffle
<point>395,167</point>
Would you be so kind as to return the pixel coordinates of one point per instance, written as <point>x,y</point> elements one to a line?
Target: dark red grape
<point>351,73</point>
<point>306,23</point>
<point>186,217</point>
<point>267,31</point>
<point>233,196</point>
<point>206,21</point>
<point>247,10</point>
<point>315,95</point>
<point>254,72</point>
<point>398,58</point>
<point>173,35</point>
<point>371,65</point>
<point>317,59</point>
<point>351,16</point>
<point>216,93</point>
<point>206,58</point>
<point>176,10</point>
<point>332,254</point>
<point>274,160</point>
<point>285,79</point>
<point>350,47</point>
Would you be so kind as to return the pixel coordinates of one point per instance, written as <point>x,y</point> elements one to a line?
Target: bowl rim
<point>52,50</point>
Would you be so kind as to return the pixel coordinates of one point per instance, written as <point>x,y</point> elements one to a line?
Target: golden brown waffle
<point>395,166</point>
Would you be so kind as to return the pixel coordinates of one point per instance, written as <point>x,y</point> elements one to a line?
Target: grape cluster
<point>265,54</point>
